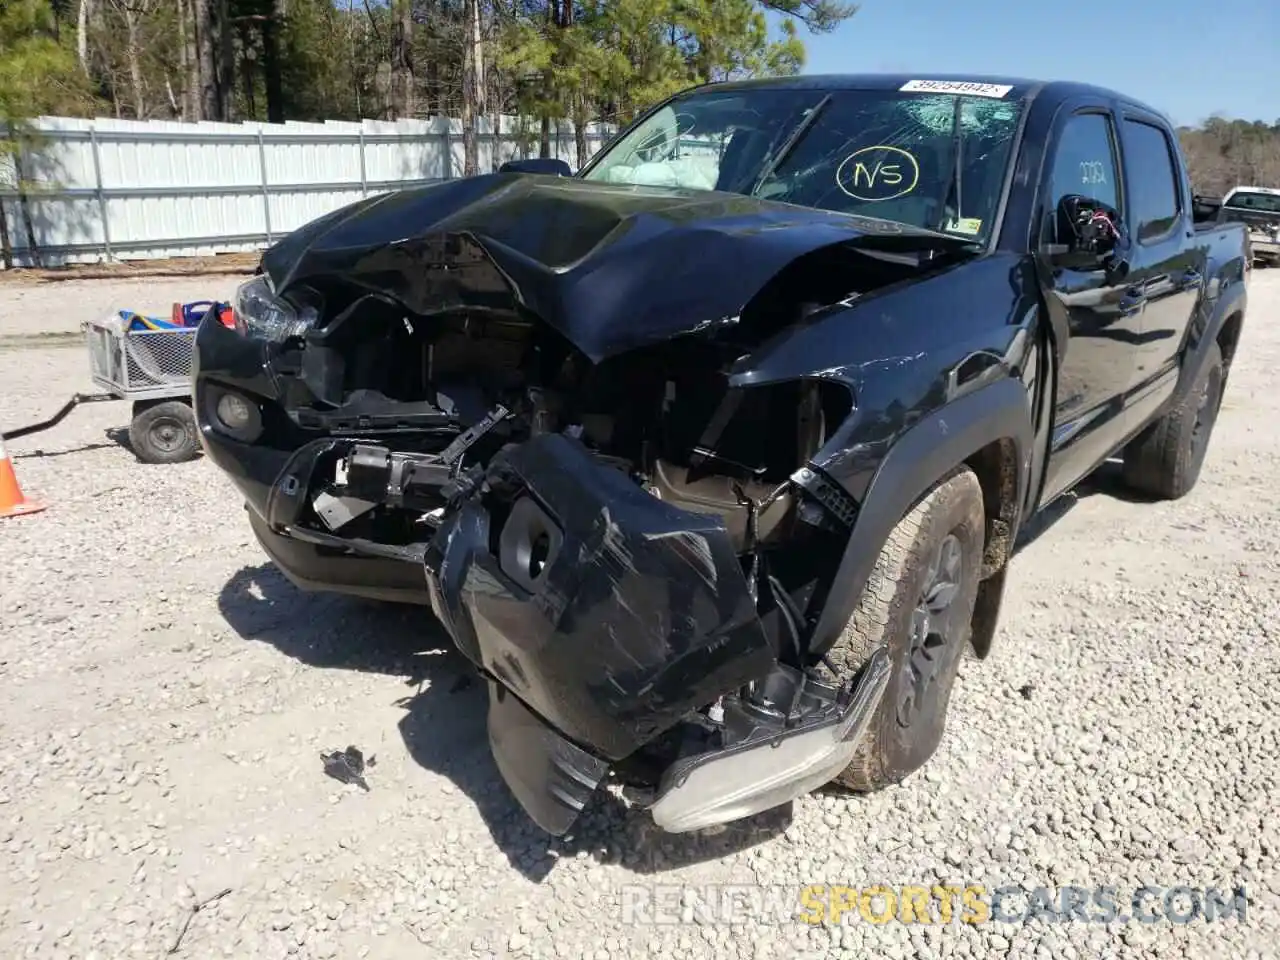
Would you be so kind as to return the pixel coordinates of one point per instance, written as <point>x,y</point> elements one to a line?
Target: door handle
<point>1190,279</point>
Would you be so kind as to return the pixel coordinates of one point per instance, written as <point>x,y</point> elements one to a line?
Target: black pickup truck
<point>711,456</point>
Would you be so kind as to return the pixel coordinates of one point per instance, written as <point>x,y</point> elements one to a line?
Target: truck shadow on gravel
<point>332,631</point>
<point>1106,481</point>
<point>444,725</point>
<point>608,832</point>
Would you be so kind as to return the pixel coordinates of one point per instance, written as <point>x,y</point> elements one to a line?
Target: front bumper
<point>226,359</point>
<point>771,768</point>
<point>313,567</point>
<point>554,778</point>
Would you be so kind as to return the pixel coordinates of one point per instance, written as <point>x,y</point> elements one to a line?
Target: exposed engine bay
<point>445,406</point>
<point>420,406</point>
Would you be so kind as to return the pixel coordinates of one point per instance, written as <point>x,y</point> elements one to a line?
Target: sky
<point>1188,58</point>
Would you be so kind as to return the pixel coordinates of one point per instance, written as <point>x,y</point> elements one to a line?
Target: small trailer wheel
<point>164,432</point>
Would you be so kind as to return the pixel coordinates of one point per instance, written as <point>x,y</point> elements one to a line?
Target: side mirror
<point>1089,232</point>
<point>548,165</point>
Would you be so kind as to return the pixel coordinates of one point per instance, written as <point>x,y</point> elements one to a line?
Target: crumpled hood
<point>611,267</point>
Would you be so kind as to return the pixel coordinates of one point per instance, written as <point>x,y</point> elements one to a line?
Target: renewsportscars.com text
<point>938,904</point>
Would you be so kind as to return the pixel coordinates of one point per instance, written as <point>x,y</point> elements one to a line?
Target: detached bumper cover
<point>552,778</point>
<point>603,615</point>
<point>610,614</point>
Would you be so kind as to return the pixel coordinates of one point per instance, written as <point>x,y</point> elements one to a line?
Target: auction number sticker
<point>995,90</point>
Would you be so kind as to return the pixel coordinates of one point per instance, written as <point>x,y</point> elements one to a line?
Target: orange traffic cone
<point>12,502</point>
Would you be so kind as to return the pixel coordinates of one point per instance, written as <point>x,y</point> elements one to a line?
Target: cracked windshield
<point>930,161</point>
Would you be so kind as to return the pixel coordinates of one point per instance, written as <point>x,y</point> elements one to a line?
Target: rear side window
<point>1152,181</point>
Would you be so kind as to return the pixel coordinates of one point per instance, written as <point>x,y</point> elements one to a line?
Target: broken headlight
<point>260,312</point>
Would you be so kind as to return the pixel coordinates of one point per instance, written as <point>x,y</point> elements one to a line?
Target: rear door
<point>1094,306</point>
<point>1165,265</point>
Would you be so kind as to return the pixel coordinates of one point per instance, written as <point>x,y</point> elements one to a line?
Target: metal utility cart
<point>152,368</point>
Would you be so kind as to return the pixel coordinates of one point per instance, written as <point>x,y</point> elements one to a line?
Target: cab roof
<point>1019,88</point>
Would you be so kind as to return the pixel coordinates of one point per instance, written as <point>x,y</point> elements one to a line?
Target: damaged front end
<point>622,623</point>
<point>640,610</point>
<point>627,537</point>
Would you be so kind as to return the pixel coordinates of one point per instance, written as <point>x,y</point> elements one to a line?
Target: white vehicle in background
<point>1257,207</point>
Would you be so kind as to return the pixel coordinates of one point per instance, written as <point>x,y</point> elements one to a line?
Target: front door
<point>1099,309</point>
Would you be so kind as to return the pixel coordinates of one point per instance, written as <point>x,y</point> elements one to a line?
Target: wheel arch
<point>1005,501</point>
<point>1228,339</point>
<point>989,430</point>
<point>1222,326</point>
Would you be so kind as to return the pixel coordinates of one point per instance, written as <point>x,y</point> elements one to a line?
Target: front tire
<point>1164,460</point>
<point>919,603</point>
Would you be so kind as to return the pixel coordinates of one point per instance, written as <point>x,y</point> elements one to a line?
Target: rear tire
<point>164,433</point>
<point>918,603</point>
<point>1164,460</point>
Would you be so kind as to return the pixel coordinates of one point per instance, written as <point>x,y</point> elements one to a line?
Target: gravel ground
<point>168,695</point>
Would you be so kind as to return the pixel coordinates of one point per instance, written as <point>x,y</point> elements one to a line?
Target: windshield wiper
<point>774,162</point>
<point>957,168</point>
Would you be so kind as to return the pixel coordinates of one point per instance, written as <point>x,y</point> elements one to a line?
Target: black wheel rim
<point>1206,413</point>
<point>932,629</point>
<point>167,434</point>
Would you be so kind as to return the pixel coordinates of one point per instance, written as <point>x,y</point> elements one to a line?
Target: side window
<point>1152,179</point>
<point>1086,161</point>
<point>1085,164</point>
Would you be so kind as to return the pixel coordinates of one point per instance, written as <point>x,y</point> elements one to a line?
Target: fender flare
<point>924,453</point>
<point>1226,305</point>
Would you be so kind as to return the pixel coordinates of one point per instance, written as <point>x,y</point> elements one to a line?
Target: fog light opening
<point>234,411</point>
<point>528,544</point>
<point>539,551</point>
<point>234,415</point>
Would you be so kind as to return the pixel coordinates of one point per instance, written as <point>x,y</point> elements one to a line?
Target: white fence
<point>122,189</point>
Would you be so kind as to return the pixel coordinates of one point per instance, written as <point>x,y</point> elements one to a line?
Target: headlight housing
<point>258,311</point>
